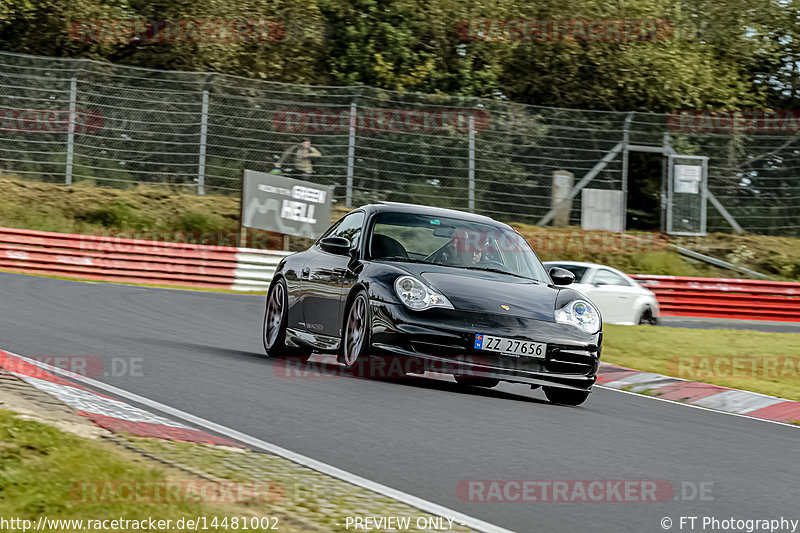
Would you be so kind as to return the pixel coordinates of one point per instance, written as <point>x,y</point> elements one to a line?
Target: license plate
<point>510,346</point>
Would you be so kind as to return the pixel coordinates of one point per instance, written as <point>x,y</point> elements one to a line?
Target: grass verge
<point>314,497</point>
<point>149,212</point>
<point>46,472</point>
<point>42,467</point>
<point>763,362</point>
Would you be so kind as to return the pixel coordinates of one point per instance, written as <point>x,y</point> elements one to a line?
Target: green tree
<point>687,69</point>
<point>411,45</point>
<point>736,53</point>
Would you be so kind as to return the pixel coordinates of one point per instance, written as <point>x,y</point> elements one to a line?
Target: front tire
<point>357,326</point>
<point>647,318</point>
<point>275,318</point>
<point>565,396</point>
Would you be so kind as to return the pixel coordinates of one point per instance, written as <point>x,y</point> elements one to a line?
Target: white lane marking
<point>262,294</point>
<point>413,501</point>
<point>795,426</point>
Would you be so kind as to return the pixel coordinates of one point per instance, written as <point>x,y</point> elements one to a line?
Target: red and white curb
<point>108,413</point>
<point>724,399</point>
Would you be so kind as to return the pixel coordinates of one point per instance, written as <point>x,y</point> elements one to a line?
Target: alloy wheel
<point>356,331</point>
<point>272,322</point>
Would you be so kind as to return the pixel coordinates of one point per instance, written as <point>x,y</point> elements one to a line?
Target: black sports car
<point>461,293</point>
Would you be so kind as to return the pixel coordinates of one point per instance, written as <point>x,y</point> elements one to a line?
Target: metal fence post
<point>665,179</point>
<point>201,167</point>
<point>351,155</point>
<point>471,169</point>
<point>73,95</point>
<point>626,138</point>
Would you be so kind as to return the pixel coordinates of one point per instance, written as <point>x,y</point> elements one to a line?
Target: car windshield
<point>453,242</point>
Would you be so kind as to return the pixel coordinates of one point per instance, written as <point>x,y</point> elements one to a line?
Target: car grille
<point>565,360</point>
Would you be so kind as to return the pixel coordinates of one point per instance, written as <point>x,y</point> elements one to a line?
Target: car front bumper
<point>445,340</point>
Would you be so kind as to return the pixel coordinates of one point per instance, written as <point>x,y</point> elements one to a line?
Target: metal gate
<point>687,176</point>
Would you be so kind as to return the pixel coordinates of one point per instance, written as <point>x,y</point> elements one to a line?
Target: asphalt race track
<point>202,354</point>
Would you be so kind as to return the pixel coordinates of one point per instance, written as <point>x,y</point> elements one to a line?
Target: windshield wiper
<point>497,270</point>
<point>402,258</point>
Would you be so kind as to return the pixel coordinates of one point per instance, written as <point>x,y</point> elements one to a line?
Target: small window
<point>349,228</point>
<point>329,231</point>
<point>606,277</point>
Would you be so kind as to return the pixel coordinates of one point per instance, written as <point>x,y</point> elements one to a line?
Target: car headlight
<point>418,296</point>
<point>580,314</point>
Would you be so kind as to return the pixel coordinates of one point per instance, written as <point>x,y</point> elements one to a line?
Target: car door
<point>324,276</point>
<point>611,292</point>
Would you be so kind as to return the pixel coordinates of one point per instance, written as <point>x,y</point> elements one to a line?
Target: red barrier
<point>746,299</point>
<point>136,261</point>
<point>111,260</point>
<point>116,244</point>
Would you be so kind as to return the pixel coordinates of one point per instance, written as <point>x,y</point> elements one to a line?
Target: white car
<point>620,298</point>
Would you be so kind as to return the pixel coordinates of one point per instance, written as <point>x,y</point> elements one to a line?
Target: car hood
<point>488,292</point>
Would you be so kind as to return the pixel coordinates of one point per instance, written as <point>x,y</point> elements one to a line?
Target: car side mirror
<point>561,276</point>
<point>335,245</point>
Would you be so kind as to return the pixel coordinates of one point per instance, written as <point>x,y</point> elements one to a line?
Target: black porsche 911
<point>462,292</point>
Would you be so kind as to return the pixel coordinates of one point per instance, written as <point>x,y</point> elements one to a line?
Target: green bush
<point>198,222</point>
<point>117,216</point>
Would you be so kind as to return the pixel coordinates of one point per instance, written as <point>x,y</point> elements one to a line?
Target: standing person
<point>303,152</point>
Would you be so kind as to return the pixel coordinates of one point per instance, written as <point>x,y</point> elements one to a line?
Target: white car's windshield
<point>453,242</point>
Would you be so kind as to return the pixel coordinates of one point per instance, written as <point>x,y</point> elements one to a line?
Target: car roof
<point>399,207</point>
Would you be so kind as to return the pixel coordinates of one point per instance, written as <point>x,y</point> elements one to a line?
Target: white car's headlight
<point>580,314</point>
<point>418,296</point>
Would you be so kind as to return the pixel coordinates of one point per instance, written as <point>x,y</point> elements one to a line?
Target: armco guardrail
<point>137,261</point>
<point>747,299</point>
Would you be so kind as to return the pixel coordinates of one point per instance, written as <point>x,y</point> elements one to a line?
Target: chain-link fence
<point>65,120</point>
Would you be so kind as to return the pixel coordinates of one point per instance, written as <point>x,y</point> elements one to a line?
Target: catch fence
<point>69,121</point>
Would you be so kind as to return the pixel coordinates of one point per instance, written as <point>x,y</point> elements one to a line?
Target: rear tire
<point>487,383</point>
<point>274,331</point>
<point>565,396</point>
